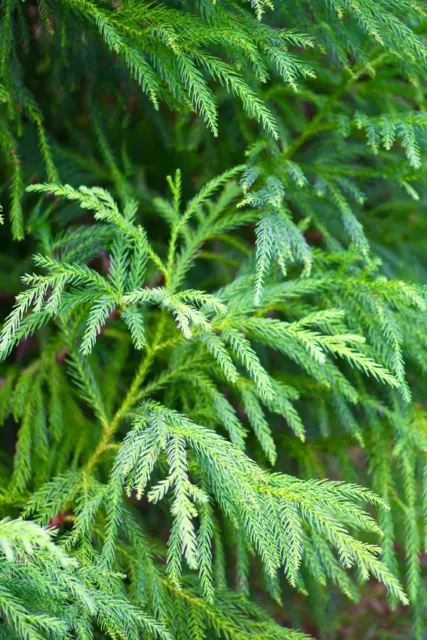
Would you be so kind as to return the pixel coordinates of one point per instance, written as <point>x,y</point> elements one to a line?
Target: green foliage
<point>212,385</point>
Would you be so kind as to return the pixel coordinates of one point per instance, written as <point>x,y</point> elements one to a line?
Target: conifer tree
<point>213,347</point>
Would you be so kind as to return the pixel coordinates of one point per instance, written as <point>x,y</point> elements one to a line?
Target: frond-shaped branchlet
<point>271,510</point>
<point>40,582</point>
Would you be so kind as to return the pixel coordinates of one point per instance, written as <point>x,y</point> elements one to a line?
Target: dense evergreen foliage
<point>214,347</point>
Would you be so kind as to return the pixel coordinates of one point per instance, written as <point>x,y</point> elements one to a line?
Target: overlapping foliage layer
<point>214,346</point>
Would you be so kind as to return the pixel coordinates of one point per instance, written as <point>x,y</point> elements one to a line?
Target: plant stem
<point>315,125</point>
<point>131,397</point>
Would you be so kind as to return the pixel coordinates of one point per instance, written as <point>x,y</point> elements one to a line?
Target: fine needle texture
<point>213,347</point>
